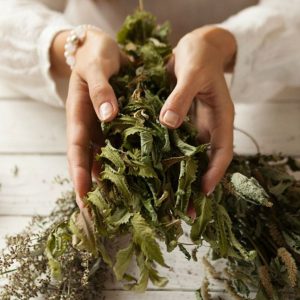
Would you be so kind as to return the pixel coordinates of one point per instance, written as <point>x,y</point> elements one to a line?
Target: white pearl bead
<point>66,53</point>
<point>70,60</point>
<point>80,32</point>
<point>73,41</point>
<point>74,38</point>
<point>71,48</point>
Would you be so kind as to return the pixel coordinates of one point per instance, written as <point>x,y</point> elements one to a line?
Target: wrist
<point>83,48</point>
<point>57,58</point>
<point>223,41</point>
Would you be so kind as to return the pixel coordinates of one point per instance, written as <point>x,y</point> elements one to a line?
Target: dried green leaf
<point>83,228</point>
<point>184,251</point>
<point>204,217</point>
<point>144,236</point>
<point>249,189</point>
<point>123,259</point>
<point>113,155</point>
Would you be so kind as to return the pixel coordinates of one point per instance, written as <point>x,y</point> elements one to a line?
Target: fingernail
<point>171,118</point>
<point>210,191</point>
<point>105,111</point>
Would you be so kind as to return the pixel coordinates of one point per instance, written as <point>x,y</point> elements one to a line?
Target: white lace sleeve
<point>27,30</point>
<point>268,38</point>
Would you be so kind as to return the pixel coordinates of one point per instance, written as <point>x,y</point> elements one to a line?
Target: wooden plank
<point>27,126</point>
<point>10,226</point>
<point>31,127</point>
<point>275,127</point>
<point>32,190</point>
<point>162,295</point>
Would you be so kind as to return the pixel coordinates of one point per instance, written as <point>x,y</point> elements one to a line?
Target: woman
<point>260,45</point>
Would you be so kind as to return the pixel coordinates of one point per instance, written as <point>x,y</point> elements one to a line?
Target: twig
<point>250,137</point>
<point>141,5</point>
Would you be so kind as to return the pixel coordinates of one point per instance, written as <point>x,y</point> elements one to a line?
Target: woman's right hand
<point>90,99</point>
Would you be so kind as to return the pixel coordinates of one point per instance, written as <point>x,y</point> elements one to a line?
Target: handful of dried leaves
<point>271,229</point>
<point>149,177</point>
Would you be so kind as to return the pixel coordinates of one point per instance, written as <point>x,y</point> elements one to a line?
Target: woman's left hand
<point>198,63</point>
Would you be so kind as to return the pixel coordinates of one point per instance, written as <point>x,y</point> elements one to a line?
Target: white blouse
<point>268,37</point>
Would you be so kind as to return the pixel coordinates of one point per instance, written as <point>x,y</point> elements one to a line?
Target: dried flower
<point>276,234</point>
<point>211,269</point>
<point>230,289</point>
<point>25,266</point>
<point>204,290</point>
<point>265,280</point>
<point>290,265</point>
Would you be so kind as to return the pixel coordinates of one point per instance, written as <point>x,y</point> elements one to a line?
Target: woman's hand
<point>90,97</point>
<point>198,63</point>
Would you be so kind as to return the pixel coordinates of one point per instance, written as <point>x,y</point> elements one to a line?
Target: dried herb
<point>26,266</point>
<point>149,177</point>
<point>272,231</point>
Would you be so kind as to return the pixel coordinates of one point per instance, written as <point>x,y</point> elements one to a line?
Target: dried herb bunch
<point>150,175</point>
<point>26,267</point>
<point>273,231</point>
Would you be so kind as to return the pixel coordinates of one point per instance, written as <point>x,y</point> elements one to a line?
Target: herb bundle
<point>27,269</point>
<point>150,175</point>
<point>271,230</point>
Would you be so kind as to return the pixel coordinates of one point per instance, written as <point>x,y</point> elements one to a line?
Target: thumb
<point>177,105</point>
<point>102,96</point>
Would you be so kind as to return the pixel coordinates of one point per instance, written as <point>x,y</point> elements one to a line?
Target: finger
<point>96,165</point>
<point>170,69</point>
<point>79,121</point>
<point>220,160</point>
<point>98,143</point>
<point>201,121</point>
<point>221,153</point>
<point>178,103</point>
<point>102,95</point>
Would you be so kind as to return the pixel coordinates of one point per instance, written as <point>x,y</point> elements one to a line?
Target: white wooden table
<point>32,139</point>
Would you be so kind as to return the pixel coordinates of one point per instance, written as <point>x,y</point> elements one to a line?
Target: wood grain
<point>275,127</point>
<point>33,190</point>
<point>31,127</point>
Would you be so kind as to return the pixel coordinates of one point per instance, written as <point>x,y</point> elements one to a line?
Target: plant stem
<point>141,5</point>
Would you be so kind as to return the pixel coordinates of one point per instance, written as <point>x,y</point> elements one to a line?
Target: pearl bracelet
<point>74,40</point>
